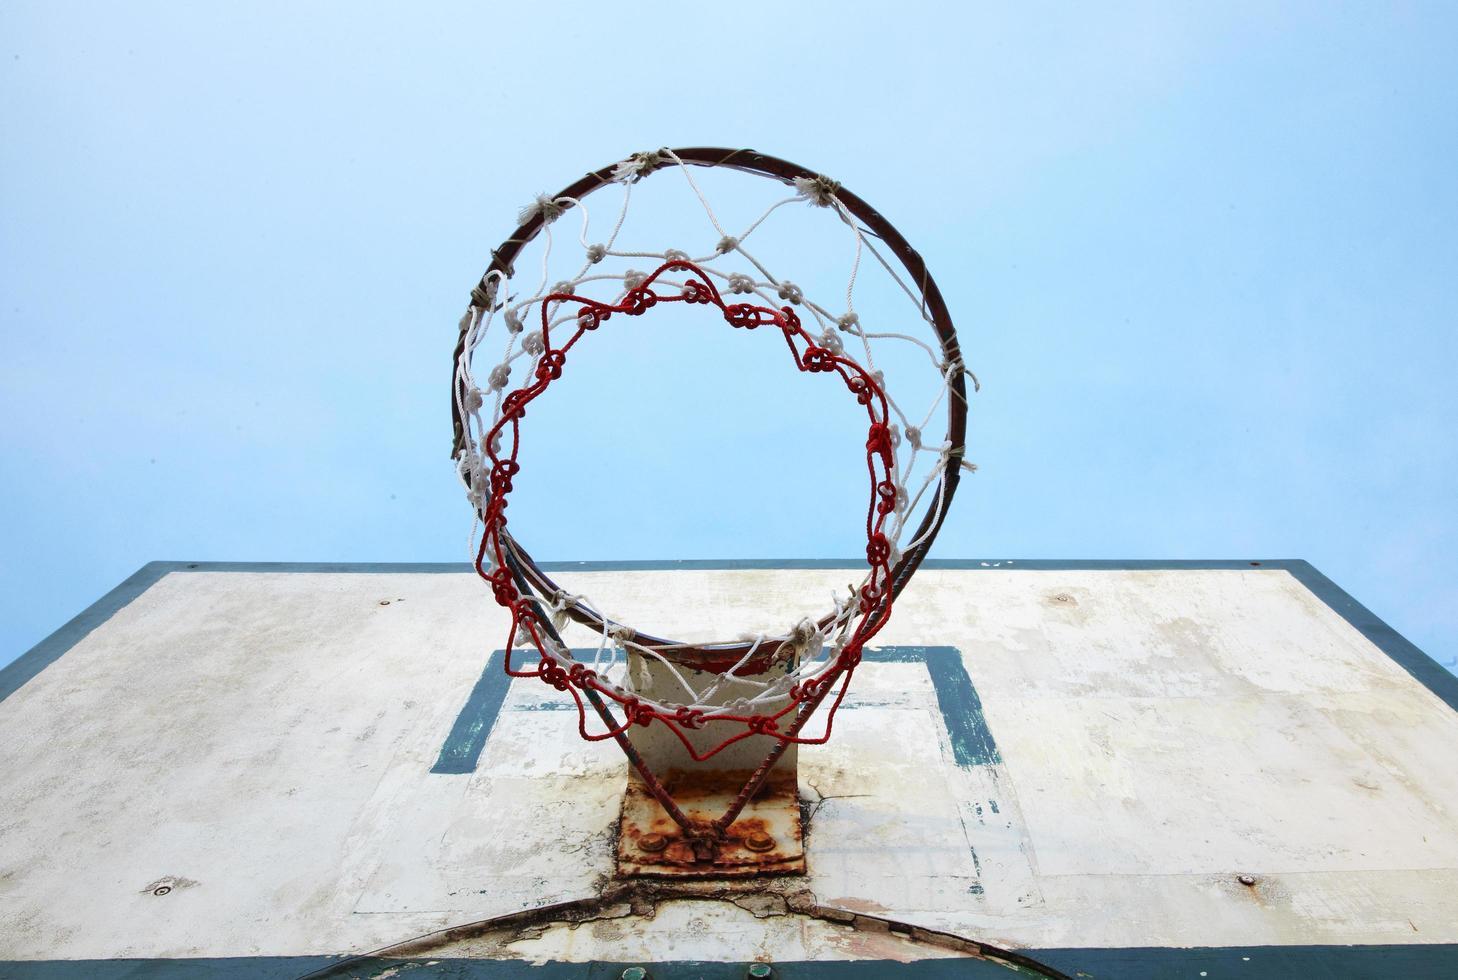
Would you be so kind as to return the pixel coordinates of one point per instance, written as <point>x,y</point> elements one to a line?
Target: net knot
<point>639,713</point>
<point>543,207</point>
<point>596,253</point>
<point>913,436</point>
<point>555,676</point>
<point>740,283</point>
<point>559,602</point>
<point>805,642</point>
<point>483,294</point>
<point>564,288</point>
<point>533,344</point>
<point>502,589</point>
<point>726,244</point>
<point>848,320</point>
<point>806,691</point>
<point>498,377</point>
<point>790,292</point>
<point>675,255</point>
<point>590,317</point>
<point>818,190</point>
<point>468,463</point>
<point>886,492</point>
<point>638,166</point>
<point>472,400</point>
<point>513,321</point>
<point>954,367</point>
<point>632,279</point>
<point>831,342</point>
<point>878,441</point>
<point>689,717</point>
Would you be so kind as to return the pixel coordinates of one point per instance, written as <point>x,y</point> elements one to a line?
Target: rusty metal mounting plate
<point>766,839</point>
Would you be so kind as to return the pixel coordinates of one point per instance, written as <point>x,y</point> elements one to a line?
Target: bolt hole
<point>384,602</point>
<point>161,890</point>
<point>1255,563</point>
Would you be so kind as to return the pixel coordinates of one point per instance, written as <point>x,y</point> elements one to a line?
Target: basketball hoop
<point>761,687</point>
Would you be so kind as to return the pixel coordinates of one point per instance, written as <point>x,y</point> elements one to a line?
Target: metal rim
<point>711,656</point>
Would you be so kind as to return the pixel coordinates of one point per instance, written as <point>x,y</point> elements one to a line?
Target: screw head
<point>161,890</point>
<point>758,971</point>
<point>1247,880</point>
<point>760,841</point>
<point>635,973</point>
<point>652,843</point>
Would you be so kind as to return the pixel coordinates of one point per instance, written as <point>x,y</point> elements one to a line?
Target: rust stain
<point>768,838</point>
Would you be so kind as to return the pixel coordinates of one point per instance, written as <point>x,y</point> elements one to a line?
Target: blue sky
<point>1204,256</point>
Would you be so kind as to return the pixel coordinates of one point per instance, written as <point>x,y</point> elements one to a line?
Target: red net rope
<point>555,665</point>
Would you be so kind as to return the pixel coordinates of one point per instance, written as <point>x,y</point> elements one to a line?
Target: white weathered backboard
<point>1116,769</point>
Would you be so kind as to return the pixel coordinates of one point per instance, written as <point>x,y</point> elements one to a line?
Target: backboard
<point>1113,769</point>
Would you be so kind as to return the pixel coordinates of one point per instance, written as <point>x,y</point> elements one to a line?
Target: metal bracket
<point>766,838</point>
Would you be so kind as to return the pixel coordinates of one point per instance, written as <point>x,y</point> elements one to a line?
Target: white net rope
<point>808,649</point>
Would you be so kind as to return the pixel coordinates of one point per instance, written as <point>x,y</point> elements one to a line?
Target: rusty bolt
<point>1247,880</point>
<point>759,971</point>
<point>161,890</point>
<point>635,973</point>
<point>652,843</point>
<point>759,841</point>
